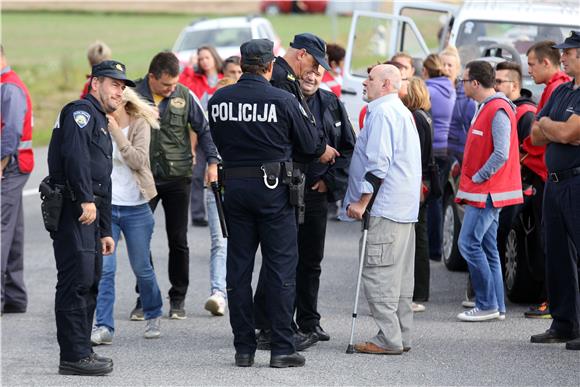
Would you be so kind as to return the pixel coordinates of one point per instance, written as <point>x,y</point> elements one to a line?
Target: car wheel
<point>451,226</point>
<point>519,283</point>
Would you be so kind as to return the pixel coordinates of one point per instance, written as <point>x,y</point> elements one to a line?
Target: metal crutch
<point>376,183</point>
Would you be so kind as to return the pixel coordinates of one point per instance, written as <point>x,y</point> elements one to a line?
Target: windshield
<point>474,36</point>
<point>226,37</point>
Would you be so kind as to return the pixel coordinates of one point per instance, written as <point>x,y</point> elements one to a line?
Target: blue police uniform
<point>253,123</point>
<point>79,156</point>
<point>561,217</point>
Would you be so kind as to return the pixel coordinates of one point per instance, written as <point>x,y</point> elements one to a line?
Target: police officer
<point>306,53</point>
<point>558,127</point>
<point>257,128</point>
<point>79,161</point>
<point>324,183</point>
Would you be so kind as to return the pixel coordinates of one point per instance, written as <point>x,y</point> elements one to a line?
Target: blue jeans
<point>478,245</point>
<point>136,223</point>
<point>219,248</point>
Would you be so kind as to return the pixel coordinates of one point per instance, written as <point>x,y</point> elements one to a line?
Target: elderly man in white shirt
<point>389,148</point>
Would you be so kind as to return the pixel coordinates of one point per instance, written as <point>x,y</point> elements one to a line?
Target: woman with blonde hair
<point>417,101</point>
<point>133,187</point>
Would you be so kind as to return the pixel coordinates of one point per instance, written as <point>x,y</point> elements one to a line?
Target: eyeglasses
<point>466,80</point>
<point>500,81</point>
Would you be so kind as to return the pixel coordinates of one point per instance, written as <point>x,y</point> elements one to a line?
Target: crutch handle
<point>376,183</point>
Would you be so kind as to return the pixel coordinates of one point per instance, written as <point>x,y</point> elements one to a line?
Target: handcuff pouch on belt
<point>52,198</point>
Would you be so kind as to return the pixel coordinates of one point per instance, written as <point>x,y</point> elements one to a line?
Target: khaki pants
<point>388,279</point>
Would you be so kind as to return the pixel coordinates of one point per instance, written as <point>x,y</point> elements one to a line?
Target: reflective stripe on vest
<point>25,145</point>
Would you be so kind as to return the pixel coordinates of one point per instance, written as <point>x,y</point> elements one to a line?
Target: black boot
<point>87,366</point>
<point>283,361</point>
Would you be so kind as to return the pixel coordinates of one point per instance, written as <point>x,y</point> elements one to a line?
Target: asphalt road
<point>199,350</point>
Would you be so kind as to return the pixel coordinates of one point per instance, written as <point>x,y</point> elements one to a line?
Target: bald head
<point>382,80</point>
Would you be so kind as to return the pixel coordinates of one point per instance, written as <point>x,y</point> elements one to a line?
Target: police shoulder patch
<point>81,118</point>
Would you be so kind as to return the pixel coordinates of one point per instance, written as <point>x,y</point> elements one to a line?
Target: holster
<point>52,200</point>
<point>296,185</point>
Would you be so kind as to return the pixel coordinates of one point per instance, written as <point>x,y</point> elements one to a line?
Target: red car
<point>287,6</point>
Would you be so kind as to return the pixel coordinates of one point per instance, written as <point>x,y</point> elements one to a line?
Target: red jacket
<point>505,186</point>
<point>197,82</point>
<point>86,87</point>
<point>25,154</point>
<point>534,156</point>
<point>331,83</point>
<point>362,116</point>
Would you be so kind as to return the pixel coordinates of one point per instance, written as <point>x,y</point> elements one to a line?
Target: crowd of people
<point>287,151</point>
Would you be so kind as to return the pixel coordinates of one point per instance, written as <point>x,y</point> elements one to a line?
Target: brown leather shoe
<point>376,350</point>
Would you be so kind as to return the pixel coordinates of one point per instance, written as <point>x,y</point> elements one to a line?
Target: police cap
<point>572,41</point>
<point>112,69</point>
<point>313,45</point>
<point>257,52</point>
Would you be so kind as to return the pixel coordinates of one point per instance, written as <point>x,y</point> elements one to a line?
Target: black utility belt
<point>556,177</point>
<point>272,173</point>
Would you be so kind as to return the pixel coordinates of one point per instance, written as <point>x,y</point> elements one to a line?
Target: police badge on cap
<point>112,69</point>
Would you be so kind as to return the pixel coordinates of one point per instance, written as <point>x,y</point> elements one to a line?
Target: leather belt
<point>557,177</point>
<point>240,172</point>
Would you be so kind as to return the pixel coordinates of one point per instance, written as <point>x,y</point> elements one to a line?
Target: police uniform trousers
<point>561,217</point>
<point>13,290</point>
<point>311,236</point>
<point>77,249</point>
<point>257,215</point>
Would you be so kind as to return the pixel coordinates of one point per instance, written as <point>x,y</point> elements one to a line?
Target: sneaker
<point>539,311</point>
<point>417,307</point>
<point>476,314</point>
<point>216,304</point>
<point>176,310</point>
<point>501,316</point>
<point>152,329</point>
<point>101,335</point>
<point>137,312</point>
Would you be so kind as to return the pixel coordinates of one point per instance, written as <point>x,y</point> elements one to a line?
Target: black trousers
<point>256,216</point>
<point>174,197</point>
<point>561,217</point>
<point>422,269</point>
<point>77,250</point>
<point>311,236</point>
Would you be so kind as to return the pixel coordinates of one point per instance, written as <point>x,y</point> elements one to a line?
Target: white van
<point>474,27</point>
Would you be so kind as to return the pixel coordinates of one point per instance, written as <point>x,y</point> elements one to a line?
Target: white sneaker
<point>417,307</point>
<point>101,335</point>
<point>501,316</point>
<point>216,304</point>
<point>476,314</point>
<point>152,329</point>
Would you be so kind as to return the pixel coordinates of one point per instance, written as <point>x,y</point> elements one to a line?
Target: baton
<point>218,202</point>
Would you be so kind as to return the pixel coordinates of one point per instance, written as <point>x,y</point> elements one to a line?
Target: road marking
<point>30,192</point>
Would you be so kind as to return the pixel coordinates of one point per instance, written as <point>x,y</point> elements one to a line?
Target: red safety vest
<point>25,154</point>
<point>535,154</point>
<point>523,109</point>
<point>331,83</point>
<point>505,186</point>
